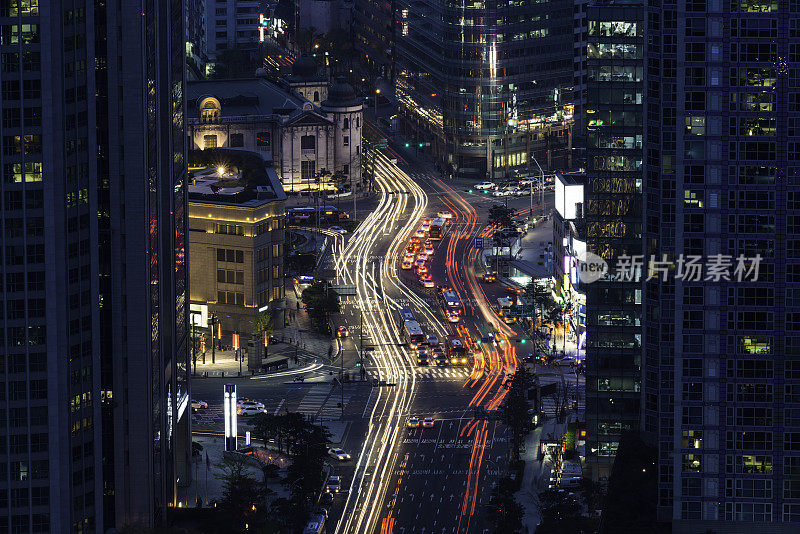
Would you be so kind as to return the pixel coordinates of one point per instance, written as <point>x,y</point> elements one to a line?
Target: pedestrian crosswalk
<point>323,403</point>
<point>433,373</point>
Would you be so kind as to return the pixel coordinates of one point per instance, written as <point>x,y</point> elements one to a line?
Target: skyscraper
<point>612,113</point>
<point>486,83</point>
<point>722,356</point>
<point>94,363</point>
<point>712,124</point>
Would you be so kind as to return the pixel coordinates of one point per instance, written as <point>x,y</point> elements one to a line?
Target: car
<point>337,229</point>
<point>413,422</point>
<point>428,249</point>
<point>484,186</point>
<point>247,411</point>
<point>415,241</point>
<point>453,317</point>
<point>433,341</point>
<point>422,256</point>
<point>501,193</point>
<point>406,265</point>
<point>333,484</point>
<point>326,500</point>
<point>428,422</point>
<point>341,331</point>
<point>422,270</point>
<point>489,277</point>
<point>446,215</point>
<point>521,192</point>
<point>527,181</point>
<point>339,454</point>
<point>419,262</point>
<point>409,256</point>
<point>420,234</point>
<point>425,226</point>
<point>426,280</point>
<point>438,354</point>
<point>249,403</point>
<point>199,405</point>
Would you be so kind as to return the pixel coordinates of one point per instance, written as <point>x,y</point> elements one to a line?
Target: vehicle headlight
<point>454,360</point>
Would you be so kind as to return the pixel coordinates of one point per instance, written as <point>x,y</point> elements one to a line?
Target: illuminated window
<point>693,199</point>
<point>209,141</point>
<point>695,125</point>
<point>691,463</point>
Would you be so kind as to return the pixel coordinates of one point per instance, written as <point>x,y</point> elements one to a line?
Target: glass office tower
<point>720,354</point>
<point>483,84</point>
<point>94,425</point>
<point>613,115</point>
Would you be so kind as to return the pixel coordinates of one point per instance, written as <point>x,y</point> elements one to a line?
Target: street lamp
<point>377,92</point>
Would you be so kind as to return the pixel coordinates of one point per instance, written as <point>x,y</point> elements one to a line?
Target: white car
<point>501,193</point>
<point>484,186</point>
<point>422,256</point>
<point>339,454</point>
<point>406,265</point>
<point>426,280</point>
<point>337,229</point>
<point>249,410</point>
<point>444,215</point>
<point>199,405</point>
<point>333,484</point>
<point>413,422</point>
<point>428,249</point>
<point>428,422</point>
<point>420,234</point>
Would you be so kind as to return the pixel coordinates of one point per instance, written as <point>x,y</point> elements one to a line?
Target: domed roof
<point>304,68</point>
<point>341,94</point>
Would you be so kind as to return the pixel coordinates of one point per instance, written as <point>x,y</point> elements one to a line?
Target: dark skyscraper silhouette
<point>94,364</point>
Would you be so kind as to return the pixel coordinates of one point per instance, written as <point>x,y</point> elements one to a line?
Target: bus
<point>411,330</point>
<point>309,214</point>
<point>456,351</point>
<point>504,310</point>
<point>437,229</point>
<point>450,302</point>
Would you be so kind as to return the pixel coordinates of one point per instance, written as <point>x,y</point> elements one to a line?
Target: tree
<point>560,512</point>
<point>501,215</point>
<point>233,63</point>
<point>242,495</point>
<point>320,304</point>
<point>514,410</point>
<point>505,512</point>
<point>542,297</point>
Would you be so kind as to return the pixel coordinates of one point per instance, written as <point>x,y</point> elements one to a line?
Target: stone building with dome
<point>308,128</point>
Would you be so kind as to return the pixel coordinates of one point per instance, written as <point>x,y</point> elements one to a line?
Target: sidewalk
<point>536,475</point>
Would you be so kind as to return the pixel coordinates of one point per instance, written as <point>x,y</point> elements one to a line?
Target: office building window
<point>237,140</point>
<point>209,141</point>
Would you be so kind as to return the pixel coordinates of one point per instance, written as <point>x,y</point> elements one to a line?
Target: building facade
<point>314,143</point>
<point>722,357</point>
<point>486,84</point>
<point>236,242</point>
<point>95,426</point>
<point>231,24</point>
<point>373,35</point>
<point>614,117</point>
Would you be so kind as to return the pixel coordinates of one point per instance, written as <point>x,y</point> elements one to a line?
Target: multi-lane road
<point>403,479</point>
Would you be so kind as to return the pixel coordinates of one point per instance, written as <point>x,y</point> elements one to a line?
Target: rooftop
<point>232,186</point>
<point>244,96</point>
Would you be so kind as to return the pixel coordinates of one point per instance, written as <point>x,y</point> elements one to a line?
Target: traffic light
<point>421,145</point>
<point>521,341</point>
<point>478,341</point>
<point>408,145</point>
<point>358,364</point>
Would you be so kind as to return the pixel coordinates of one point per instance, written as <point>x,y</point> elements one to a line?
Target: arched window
<point>210,109</point>
<point>316,96</point>
<point>346,124</point>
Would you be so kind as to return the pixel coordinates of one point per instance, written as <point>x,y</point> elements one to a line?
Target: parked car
<point>339,454</point>
<point>199,405</point>
<point>484,186</point>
